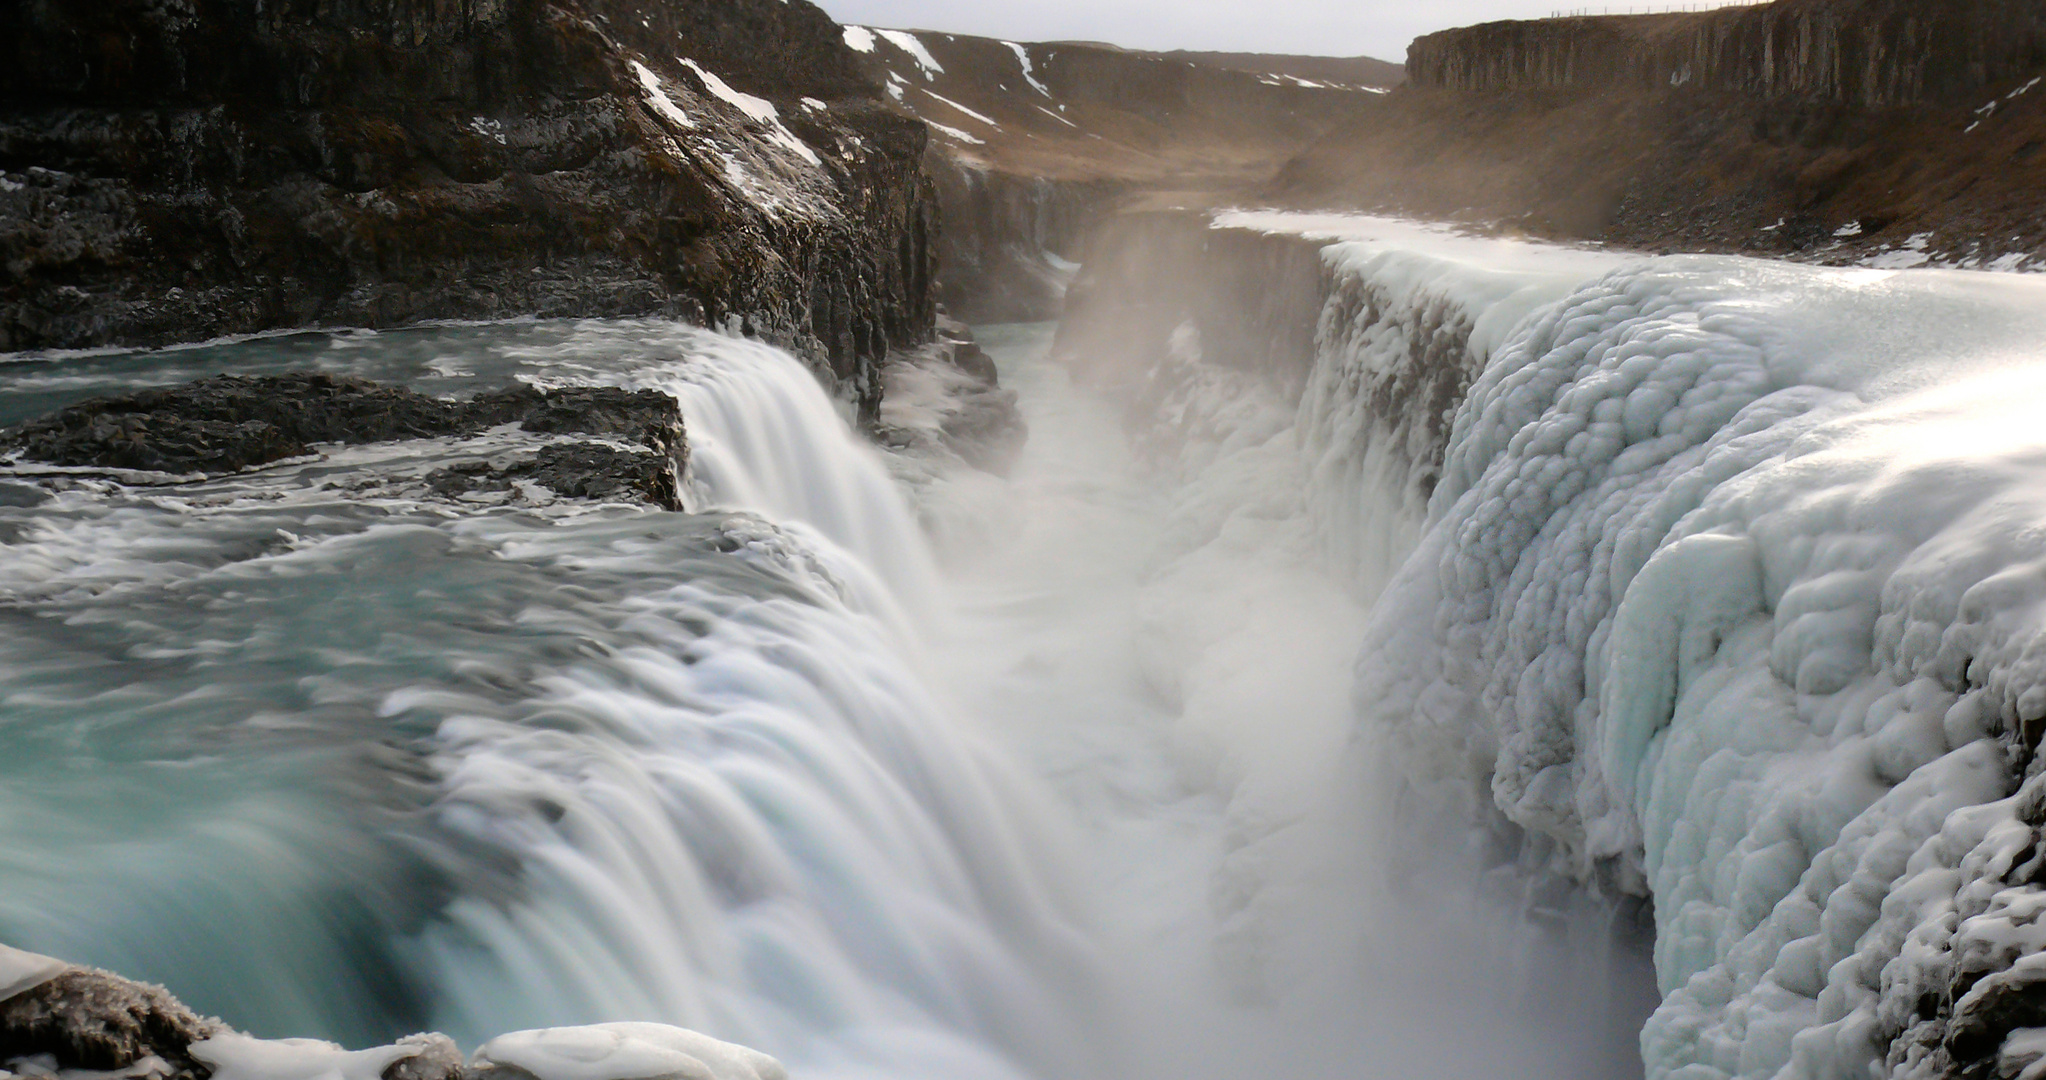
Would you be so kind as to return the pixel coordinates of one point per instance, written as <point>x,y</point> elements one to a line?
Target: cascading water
<point>350,766</point>
<point>333,761</point>
<point>1701,581</point>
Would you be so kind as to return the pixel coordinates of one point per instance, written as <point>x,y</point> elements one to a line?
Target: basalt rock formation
<point>1868,53</point>
<point>172,171</point>
<point>1832,130</point>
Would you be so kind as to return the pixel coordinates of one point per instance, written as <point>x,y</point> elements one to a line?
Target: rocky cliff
<point>1866,53</point>
<point>1839,131</point>
<point>1035,145</point>
<point>193,168</point>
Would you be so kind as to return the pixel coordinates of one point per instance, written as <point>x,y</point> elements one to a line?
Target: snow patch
<point>955,133</point>
<point>908,43</point>
<point>658,97</point>
<point>1029,69</point>
<point>989,121</point>
<point>759,110</point>
<point>859,39</point>
<point>1058,118</point>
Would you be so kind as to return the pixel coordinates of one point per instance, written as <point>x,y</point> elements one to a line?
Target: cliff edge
<point>188,170</point>
<point>1838,131</point>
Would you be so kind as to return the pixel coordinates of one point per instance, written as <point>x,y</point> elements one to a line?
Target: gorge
<point>578,592</point>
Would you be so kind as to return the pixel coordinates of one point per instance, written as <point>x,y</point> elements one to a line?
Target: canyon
<point>635,550</point>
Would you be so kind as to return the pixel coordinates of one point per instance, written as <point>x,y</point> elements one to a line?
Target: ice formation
<point>626,1052</point>
<point>1731,587</point>
<point>21,970</point>
<point>234,1056</point>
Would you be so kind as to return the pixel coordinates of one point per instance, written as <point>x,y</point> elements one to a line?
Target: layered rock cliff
<point>1839,131</point>
<point>1856,52</point>
<point>207,167</point>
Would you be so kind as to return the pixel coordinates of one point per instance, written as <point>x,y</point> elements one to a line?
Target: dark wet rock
<point>94,1020</point>
<point>647,417</point>
<point>588,471</point>
<point>171,172</point>
<point>228,423</point>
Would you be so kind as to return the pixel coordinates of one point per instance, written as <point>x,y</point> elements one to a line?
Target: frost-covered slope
<point>1725,577</point>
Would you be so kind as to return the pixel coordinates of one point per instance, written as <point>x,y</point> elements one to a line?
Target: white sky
<point>1378,28</point>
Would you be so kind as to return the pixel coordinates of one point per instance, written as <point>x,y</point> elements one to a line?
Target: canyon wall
<point>1833,131</point>
<point>1163,281</point>
<point>1034,145</point>
<point>1867,53</point>
<point>187,170</point>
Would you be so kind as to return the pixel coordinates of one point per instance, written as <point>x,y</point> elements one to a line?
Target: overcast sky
<point>1378,28</point>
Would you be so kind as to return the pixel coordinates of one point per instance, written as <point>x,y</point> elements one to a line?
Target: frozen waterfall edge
<point>1710,575</point>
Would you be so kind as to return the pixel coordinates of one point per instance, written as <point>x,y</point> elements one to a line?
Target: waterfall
<point>1716,579</point>
<point>355,765</point>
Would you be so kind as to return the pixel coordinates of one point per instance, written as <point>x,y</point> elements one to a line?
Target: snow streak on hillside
<point>1724,578</point>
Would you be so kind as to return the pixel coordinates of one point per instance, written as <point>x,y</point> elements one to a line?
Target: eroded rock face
<point>172,171</point>
<point>228,423</point>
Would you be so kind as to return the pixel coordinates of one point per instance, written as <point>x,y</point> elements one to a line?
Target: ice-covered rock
<point>68,1023</point>
<point>1730,586</point>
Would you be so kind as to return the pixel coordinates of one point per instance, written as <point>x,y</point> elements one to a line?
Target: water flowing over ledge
<point>356,765</point>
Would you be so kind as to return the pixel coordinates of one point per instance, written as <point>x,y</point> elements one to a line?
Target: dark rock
<point>228,423</point>
<point>589,471</point>
<point>1860,52</point>
<point>182,171</point>
<point>647,417</point>
<point>1824,130</point>
<point>94,1020</point>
